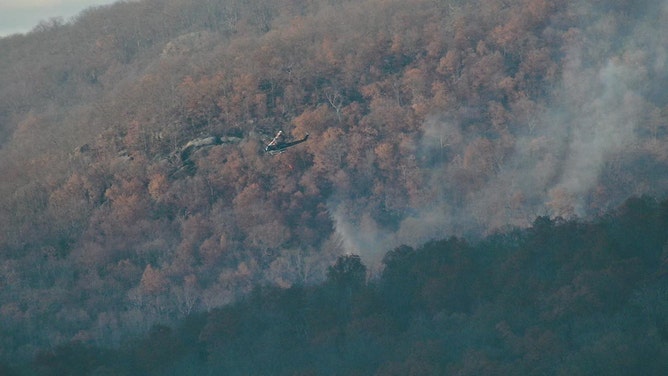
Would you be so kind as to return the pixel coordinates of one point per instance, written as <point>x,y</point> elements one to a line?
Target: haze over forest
<point>135,191</point>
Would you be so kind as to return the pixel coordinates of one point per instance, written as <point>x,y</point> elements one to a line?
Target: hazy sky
<point>21,16</point>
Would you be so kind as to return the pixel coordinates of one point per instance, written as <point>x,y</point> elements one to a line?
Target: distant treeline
<point>559,298</point>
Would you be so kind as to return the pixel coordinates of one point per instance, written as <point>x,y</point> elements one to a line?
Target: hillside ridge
<point>427,119</point>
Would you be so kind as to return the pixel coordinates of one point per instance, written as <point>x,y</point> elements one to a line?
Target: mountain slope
<point>426,118</point>
<point>561,297</point>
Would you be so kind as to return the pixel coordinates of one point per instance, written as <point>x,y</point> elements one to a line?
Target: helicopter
<point>278,145</point>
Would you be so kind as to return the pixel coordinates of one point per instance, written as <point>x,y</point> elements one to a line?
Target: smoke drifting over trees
<point>561,297</point>
<point>135,191</point>
<point>571,145</point>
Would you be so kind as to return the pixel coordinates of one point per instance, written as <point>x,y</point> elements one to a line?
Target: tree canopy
<point>135,192</point>
<point>561,297</point>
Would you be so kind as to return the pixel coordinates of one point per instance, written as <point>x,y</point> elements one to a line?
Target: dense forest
<point>559,298</point>
<point>136,197</point>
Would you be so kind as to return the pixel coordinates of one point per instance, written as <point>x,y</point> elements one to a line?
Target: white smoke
<point>601,126</point>
<point>360,234</point>
<point>585,124</point>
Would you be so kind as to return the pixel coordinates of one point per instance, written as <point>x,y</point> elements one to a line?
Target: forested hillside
<point>559,298</point>
<point>134,189</point>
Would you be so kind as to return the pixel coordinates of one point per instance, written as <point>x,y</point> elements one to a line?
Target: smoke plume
<point>572,158</point>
